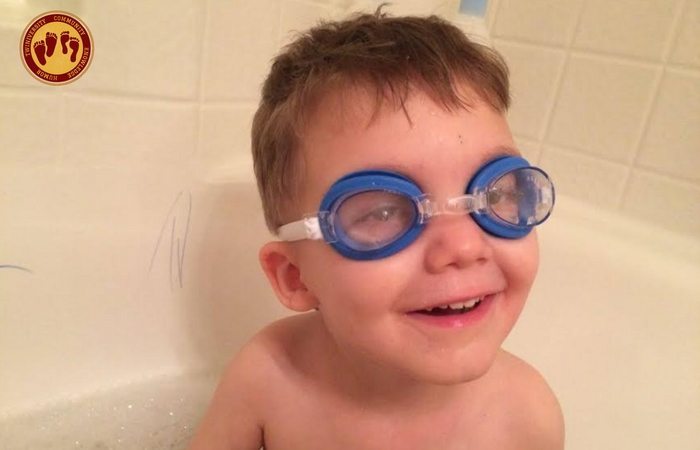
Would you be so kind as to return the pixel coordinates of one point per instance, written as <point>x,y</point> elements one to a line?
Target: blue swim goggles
<point>373,214</point>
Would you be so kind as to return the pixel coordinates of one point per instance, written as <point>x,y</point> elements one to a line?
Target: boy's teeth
<point>456,306</point>
<point>468,304</point>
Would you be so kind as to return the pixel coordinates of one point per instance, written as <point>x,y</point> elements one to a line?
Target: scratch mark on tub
<point>181,253</point>
<point>172,238</point>
<point>162,229</point>
<point>12,266</point>
<point>180,208</point>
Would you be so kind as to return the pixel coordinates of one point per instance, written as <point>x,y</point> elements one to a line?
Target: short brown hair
<point>388,55</point>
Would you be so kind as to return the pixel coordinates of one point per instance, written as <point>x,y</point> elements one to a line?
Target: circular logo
<point>56,47</point>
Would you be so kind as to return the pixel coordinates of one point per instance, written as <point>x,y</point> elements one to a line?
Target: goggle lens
<point>522,197</point>
<point>373,219</point>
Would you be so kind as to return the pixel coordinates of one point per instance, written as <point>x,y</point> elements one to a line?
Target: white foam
<point>160,413</point>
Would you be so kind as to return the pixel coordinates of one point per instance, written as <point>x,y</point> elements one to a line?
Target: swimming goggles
<point>373,214</point>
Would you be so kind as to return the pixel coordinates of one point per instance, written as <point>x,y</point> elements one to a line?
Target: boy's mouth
<point>452,308</point>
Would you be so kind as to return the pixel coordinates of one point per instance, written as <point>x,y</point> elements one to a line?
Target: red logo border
<point>26,50</point>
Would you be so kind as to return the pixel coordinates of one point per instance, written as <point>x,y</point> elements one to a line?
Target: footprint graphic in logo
<point>64,39</point>
<point>73,43</point>
<point>40,51</point>
<point>51,40</point>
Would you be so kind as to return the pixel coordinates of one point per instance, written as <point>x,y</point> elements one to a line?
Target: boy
<point>405,218</point>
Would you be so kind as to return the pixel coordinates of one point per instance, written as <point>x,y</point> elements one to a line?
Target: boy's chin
<point>448,373</point>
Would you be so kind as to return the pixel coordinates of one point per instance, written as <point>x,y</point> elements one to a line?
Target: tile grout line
<point>674,33</point>
<point>586,155</point>
<point>558,82</point>
<point>279,23</point>
<point>132,97</point>
<point>633,162</point>
<point>100,93</point>
<point>568,150</point>
<point>687,70</point>
<point>200,82</point>
<point>62,135</point>
<point>15,91</point>
<point>684,182</point>
<point>250,103</point>
<point>491,15</point>
<point>648,170</point>
<point>632,159</point>
<point>598,55</point>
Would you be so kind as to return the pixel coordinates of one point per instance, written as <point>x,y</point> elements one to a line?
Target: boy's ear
<point>281,270</point>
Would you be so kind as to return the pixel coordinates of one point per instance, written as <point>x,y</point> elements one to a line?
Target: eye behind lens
<point>374,219</point>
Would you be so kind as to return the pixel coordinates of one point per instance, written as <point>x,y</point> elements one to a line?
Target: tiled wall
<point>606,93</point>
<point>607,98</point>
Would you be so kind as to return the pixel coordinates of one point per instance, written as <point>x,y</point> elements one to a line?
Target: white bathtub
<point>613,323</point>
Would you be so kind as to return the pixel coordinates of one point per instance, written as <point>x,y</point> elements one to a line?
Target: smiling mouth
<point>452,309</point>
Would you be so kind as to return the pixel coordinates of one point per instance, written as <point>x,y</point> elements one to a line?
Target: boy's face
<point>370,307</point>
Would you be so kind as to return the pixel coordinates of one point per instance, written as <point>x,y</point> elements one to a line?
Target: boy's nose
<point>455,241</point>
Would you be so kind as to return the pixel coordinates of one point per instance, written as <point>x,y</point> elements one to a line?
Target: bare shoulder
<point>266,361</point>
<point>236,418</point>
<point>535,416</point>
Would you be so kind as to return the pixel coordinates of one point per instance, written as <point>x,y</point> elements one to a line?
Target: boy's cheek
<point>533,252</point>
<point>354,287</point>
<point>518,259</point>
<point>526,269</point>
<point>327,273</point>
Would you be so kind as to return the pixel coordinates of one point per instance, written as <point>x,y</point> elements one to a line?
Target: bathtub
<point>613,322</point>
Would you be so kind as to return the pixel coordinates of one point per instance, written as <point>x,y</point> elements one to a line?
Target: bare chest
<point>312,423</point>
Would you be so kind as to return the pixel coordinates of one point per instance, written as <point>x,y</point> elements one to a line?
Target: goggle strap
<point>306,228</point>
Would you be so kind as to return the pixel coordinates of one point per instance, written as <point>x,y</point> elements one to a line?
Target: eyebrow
<point>498,152</point>
<point>506,150</point>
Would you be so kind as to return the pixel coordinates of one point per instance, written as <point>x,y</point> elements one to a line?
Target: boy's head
<point>384,55</point>
<point>410,99</point>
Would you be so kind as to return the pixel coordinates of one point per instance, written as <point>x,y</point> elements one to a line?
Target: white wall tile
<point>584,177</point>
<point>106,131</point>
<point>445,8</point>
<point>675,205</point>
<point>144,47</point>
<point>638,28</point>
<point>529,148</point>
<point>685,50</point>
<point>241,40</point>
<point>601,106</point>
<point>225,136</point>
<point>335,3</point>
<point>299,16</point>
<point>31,129</point>
<point>543,21</point>
<point>672,141</point>
<point>534,72</point>
<point>13,72</point>
<point>492,8</point>
<point>98,198</point>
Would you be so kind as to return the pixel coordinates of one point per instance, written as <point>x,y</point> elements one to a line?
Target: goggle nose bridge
<point>462,205</point>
